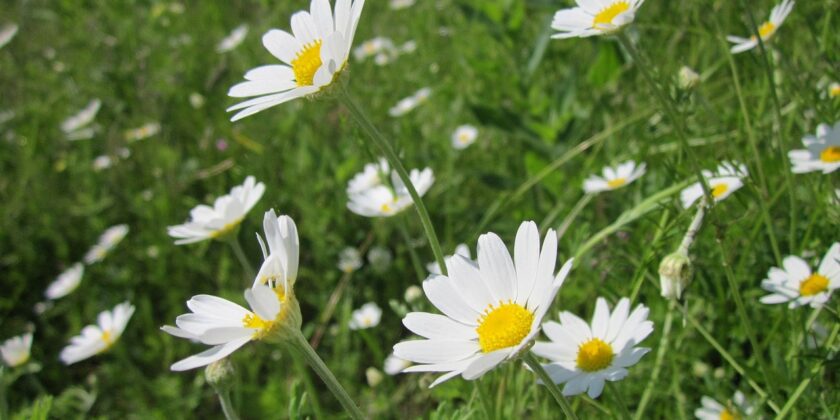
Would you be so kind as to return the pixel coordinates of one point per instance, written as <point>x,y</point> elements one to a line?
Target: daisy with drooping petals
<point>727,180</point>
<point>464,136</point>
<point>98,338</point>
<point>614,178</point>
<point>822,153</point>
<point>107,241</point>
<point>462,250</point>
<point>313,57</point>
<point>585,356</point>
<point>281,255</point>
<point>15,351</point>
<point>66,282</point>
<point>737,408</point>
<point>594,17</point>
<point>227,213</point>
<point>796,284</point>
<point>766,30</point>
<point>368,316</point>
<point>382,200</point>
<point>491,312</point>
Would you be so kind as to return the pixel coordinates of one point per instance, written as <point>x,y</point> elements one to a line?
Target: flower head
<point>464,136</point>
<point>66,282</point>
<point>766,30</point>
<point>314,54</point>
<point>280,265</point>
<point>675,274</point>
<point>74,126</point>
<point>822,153</point>
<point>727,180</point>
<point>143,132</point>
<point>584,356</point>
<point>368,316</point>
<point>594,17</point>
<point>491,312</point>
<point>687,78</point>
<point>15,351</point>
<point>614,178</point>
<point>7,32</point>
<point>834,90</point>
<point>401,4</point>
<point>373,47</point>
<point>98,338</point>
<point>795,284</point>
<point>230,42</point>
<point>107,241</point>
<point>349,260</point>
<point>370,197</point>
<point>735,409</point>
<point>406,105</point>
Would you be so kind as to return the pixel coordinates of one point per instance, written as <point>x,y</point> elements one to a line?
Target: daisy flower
<point>727,180</point>
<point>15,351</point>
<point>385,201</point>
<point>462,250</point>
<point>766,30</point>
<point>406,105</point>
<point>594,17</point>
<point>313,55</point>
<point>585,356</point>
<point>464,136</point>
<point>796,284</point>
<point>107,241</point>
<point>281,253</point>
<point>395,365</point>
<point>834,90</point>
<point>349,260</point>
<point>66,282</point>
<point>230,42</point>
<point>822,153</point>
<point>614,178</point>
<point>98,338</point>
<point>713,410</point>
<point>368,316</point>
<point>491,312</point>
<point>143,132</point>
<point>371,176</point>
<point>227,213</point>
<point>373,47</point>
<point>74,126</point>
<point>380,258</point>
<point>7,33</point>
<point>102,163</point>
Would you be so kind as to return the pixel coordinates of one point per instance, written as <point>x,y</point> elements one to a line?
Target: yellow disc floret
<point>263,327</point>
<point>605,17</point>
<point>814,284</point>
<point>830,154</point>
<point>307,62</point>
<point>719,190</point>
<point>729,415</point>
<point>594,355</point>
<point>618,182</point>
<point>503,326</point>
<point>766,30</point>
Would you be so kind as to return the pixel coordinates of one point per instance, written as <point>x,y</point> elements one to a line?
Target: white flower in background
<point>795,284</point>
<point>368,316</point>
<point>688,78</point>
<point>196,100</point>
<point>462,250</point>
<point>766,30</point>
<point>143,132</point>
<point>349,260</point>
<point>395,365</point>
<point>834,90</point>
<point>379,258</point>
<point>585,356</point>
<point>98,338</point>
<point>406,105</point>
<point>388,200</point>
<point>727,180</point>
<point>102,162</point>
<point>227,213</point>
<point>15,351</point>
<point>822,153</point>
<point>491,312</point>
<point>412,293</point>
<point>74,126</point>
<point>594,17</point>
<point>66,282</point>
<point>7,33</point>
<point>374,376</point>
<point>614,178</point>
<point>6,116</point>
<point>371,176</point>
<point>401,4</point>
<point>736,409</point>
<point>373,47</point>
<point>313,57</point>
<point>233,40</point>
<point>107,241</point>
<point>464,136</point>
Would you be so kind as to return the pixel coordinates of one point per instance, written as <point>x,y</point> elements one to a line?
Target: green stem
<point>657,364</point>
<point>485,401</point>
<point>298,341</point>
<point>394,160</point>
<point>641,268</point>
<point>550,385</point>
<point>4,405</point>
<point>619,401</point>
<point>807,381</point>
<point>372,345</point>
<point>415,260</point>
<point>233,240</point>
<point>227,406</point>
<point>573,214</point>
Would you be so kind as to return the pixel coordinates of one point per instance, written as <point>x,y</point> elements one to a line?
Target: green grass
<point>535,103</point>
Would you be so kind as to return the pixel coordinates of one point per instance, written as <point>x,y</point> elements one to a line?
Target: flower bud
<point>413,293</point>
<point>220,374</point>
<point>688,78</point>
<point>675,273</point>
<point>374,376</point>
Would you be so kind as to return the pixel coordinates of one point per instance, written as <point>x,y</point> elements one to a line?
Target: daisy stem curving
<point>382,144</point>
<point>233,240</point>
<point>299,343</point>
<point>657,364</point>
<point>227,405</point>
<point>535,365</point>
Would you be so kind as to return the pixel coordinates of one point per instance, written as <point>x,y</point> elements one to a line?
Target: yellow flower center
<point>306,63</point>
<point>594,355</point>
<point>106,338</point>
<point>604,18</point>
<point>386,208</point>
<point>504,326</point>
<point>834,91</point>
<point>228,228</point>
<point>814,284</point>
<point>262,326</point>
<point>618,182</point>
<point>728,415</point>
<point>464,138</point>
<point>719,190</point>
<point>766,29</point>
<point>831,154</point>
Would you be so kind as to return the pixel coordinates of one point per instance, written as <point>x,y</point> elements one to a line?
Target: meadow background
<point>549,114</point>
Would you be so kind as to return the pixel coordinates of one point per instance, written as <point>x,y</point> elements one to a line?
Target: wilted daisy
<point>401,4</point>
<point>614,178</point>
<point>406,105</point>
<point>368,316</point>
<point>387,200</point>
<point>462,250</point>
<point>143,132</point>
<point>464,136</point>
<point>233,40</point>
<point>822,153</point>
<point>7,33</point>
<point>796,284</point>
<point>15,351</point>
<point>585,356</point>
<point>314,56</point>
<point>107,241</point>
<point>74,126</point>
<point>594,17</point>
<point>349,260</point>
<point>737,408</point>
<point>766,30</point>
<point>227,213</point>
<point>66,282</point>
<point>98,338</point>
<point>727,180</point>
<point>395,365</point>
<point>372,47</point>
<point>491,312</point>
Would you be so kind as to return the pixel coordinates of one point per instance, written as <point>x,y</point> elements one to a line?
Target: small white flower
<point>822,153</point>
<point>379,258</point>
<point>102,162</point>
<point>7,33</point>
<point>371,176</point>
<point>796,284</point>
<point>713,410</point>
<point>227,213</point>
<point>107,241</point>
<point>594,17</point>
<point>281,253</point>
<point>66,282</point>
<point>395,365</point>
<point>15,351</point>
<point>401,4</point>
<point>197,100</point>
<point>585,356</point>
<point>373,47</point>
<point>368,316</point>
<point>98,338</point>
<point>74,126</point>
<point>688,78</point>
<point>349,260</point>
<point>374,376</point>
<point>406,105</point>
<point>462,250</point>
<point>143,132</point>
<point>233,40</point>
<point>464,136</point>
<point>727,180</point>
<point>766,30</point>
<point>381,200</point>
<point>412,293</point>
<point>614,178</point>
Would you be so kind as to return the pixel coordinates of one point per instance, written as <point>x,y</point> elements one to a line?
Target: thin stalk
<point>385,147</point>
<point>415,260</point>
<point>550,385</point>
<point>693,229</point>
<point>233,240</point>
<point>372,345</point>
<point>641,268</point>
<point>791,402</point>
<point>619,401</point>
<point>4,405</point>
<point>485,401</point>
<point>298,341</point>
<point>573,214</point>
<point>657,364</point>
<point>227,406</point>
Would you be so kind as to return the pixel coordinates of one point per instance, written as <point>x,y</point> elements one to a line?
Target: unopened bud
<point>675,273</point>
<point>374,376</point>
<point>688,78</point>
<point>220,374</point>
<point>413,293</point>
